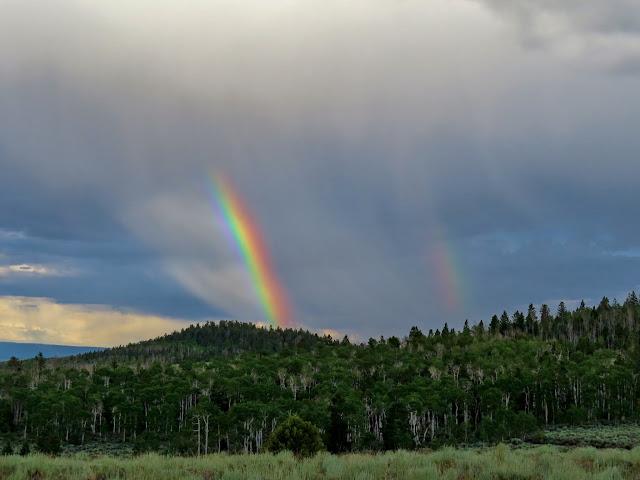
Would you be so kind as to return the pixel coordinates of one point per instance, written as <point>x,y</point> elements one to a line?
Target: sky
<point>405,162</point>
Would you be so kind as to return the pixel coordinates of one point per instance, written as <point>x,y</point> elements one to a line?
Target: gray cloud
<point>388,151</point>
<point>620,16</point>
<point>592,34</point>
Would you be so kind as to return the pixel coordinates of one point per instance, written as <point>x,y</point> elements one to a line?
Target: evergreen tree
<point>479,330</point>
<point>394,342</point>
<point>494,326</point>
<point>15,364</point>
<point>545,321</point>
<point>505,323</point>
<point>531,320</point>
<point>519,323</point>
<point>41,362</point>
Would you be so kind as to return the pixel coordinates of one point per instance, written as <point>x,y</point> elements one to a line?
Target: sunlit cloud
<point>32,270</point>
<point>339,335</point>
<point>42,320</point>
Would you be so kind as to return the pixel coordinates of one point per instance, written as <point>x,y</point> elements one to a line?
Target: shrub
<point>7,449</point>
<point>182,446</point>
<point>147,442</point>
<point>25,449</point>
<point>294,434</point>
<point>48,443</point>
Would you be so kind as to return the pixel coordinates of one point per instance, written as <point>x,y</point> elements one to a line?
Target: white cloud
<point>32,270</point>
<point>630,253</point>
<point>11,235</point>
<point>42,320</point>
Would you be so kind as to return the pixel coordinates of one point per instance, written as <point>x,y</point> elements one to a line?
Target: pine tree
<point>505,323</point>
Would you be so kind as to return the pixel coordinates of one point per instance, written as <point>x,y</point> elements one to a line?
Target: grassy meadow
<point>500,462</point>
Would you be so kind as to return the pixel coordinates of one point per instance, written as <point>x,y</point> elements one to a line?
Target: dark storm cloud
<point>365,137</point>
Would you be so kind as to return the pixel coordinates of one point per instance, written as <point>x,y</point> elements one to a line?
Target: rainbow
<point>245,236</point>
<point>447,271</point>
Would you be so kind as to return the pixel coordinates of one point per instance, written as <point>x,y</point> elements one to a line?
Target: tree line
<point>226,386</point>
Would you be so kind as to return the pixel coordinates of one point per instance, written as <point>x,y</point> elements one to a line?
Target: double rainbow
<point>245,236</point>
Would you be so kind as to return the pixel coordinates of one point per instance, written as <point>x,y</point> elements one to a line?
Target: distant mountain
<point>30,350</point>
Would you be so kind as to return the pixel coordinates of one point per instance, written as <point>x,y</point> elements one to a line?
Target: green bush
<point>299,437</point>
<point>25,449</point>
<point>599,436</point>
<point>147,442</point>
<point>48,443</point>
<point>182,446</point>
<point>7,449</point>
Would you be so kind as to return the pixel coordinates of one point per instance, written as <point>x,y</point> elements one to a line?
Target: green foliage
<point>200,342</point>
<point>6,416</point>
<point>14,364</point>
<point>183,446</point>
<point>394,431</point>
<point>297,436</point>
<point>41,362</point>
<point>25,448</point>
<point>338,427</point>
<point>48,443</point>
<point>601,436</point>
<point>147,442</point>
<point>7,449</point>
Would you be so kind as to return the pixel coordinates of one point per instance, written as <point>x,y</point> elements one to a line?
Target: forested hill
<point>609,325</point>
<point>201,342</point>
<point>518,374</point>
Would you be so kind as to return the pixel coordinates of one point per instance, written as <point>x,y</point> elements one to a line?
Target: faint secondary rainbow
<point>245,236</point>
<point>447,271</point>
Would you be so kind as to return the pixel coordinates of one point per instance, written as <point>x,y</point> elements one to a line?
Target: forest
<point>225,386</point>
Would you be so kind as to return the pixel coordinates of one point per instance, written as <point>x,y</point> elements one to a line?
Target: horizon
<point>385,164</point>
<point>335,335</point>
